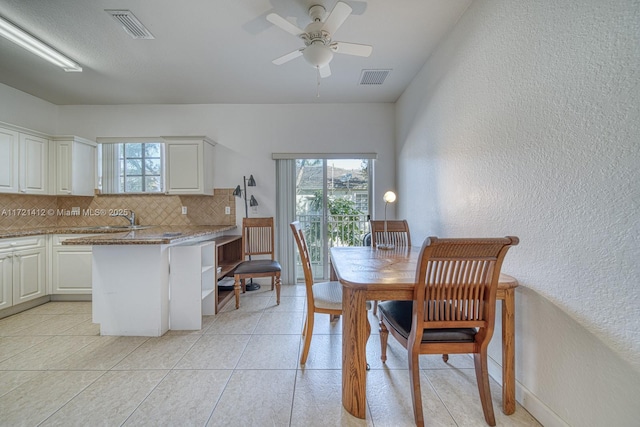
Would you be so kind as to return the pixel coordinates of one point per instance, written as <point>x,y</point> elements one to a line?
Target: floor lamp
<point>251,201</point>
<point>389,197</point>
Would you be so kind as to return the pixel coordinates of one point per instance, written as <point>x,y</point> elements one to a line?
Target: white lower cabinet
<point>6,279</point>
<point>22,270</point>
<point>70,267</point>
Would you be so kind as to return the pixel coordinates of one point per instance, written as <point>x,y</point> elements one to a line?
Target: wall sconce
<point>389,197</point>
<point>240,193</point>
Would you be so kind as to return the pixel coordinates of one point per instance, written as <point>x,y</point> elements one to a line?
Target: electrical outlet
<point>227,210</point>
<point>184,210</point>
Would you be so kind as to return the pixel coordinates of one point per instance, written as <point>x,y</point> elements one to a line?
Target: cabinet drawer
<point>22,242</point>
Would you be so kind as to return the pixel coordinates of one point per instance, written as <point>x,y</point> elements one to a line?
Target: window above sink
<point>131,166</point>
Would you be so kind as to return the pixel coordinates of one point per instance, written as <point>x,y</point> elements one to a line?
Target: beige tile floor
<point>241,369</point>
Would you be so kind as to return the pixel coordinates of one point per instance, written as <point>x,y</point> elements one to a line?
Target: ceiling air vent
<point>130,23</point>
<point>373,77</point>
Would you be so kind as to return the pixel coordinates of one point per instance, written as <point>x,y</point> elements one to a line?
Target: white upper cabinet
<point>189,165</point>
<point>34,164</point>
<point>74,162</point>
<point>24,162</point>
<point>9,158</point>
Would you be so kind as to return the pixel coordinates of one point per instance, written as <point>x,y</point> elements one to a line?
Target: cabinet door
<point>71,272</point>
<point>6,280</point>
<point>34,161</point>
<point>75,167</point>
<point>64,152</point>
<point>83,168</point>
<point>9,159</point>
<point>184,168</point>
<point>28,275</point>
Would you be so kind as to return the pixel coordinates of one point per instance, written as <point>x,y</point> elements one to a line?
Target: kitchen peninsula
<point>131,274</point>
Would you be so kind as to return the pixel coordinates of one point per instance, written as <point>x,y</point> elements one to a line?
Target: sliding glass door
<point>332,205</point>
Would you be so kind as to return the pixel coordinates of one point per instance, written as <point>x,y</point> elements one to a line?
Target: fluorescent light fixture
<point>26,41</point>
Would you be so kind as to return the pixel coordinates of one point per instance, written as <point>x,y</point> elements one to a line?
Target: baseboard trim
<point>15,309</point>
<point>70,297</point>
<point>528,400</point>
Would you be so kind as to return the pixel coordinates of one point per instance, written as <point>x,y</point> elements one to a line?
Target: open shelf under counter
<point>195,271</point>
<point>229,256</point>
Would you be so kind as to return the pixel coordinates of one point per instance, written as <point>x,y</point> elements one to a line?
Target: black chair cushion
<point>258,266</point>
<point>398,315</point>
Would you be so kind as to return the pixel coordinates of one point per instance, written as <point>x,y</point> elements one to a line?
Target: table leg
<point>508,353</point>
<point>354,356</point>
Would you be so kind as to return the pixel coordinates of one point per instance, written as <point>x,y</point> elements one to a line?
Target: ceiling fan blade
<point>325,71</point>
<point>352,48</point>
<point>279,21</point>
<point>337,16</point>
<point>288,57</point>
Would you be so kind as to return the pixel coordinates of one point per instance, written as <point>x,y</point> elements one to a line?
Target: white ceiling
<point>216,51</point>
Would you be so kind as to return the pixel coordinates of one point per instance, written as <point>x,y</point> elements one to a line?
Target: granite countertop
<point>146,235</point>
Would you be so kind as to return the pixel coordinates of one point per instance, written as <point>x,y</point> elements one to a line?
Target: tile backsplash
<point>19,211</point>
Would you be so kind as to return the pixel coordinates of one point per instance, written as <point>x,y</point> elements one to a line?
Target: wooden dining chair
<point>257,240</point>
<point>322,297</point>
<point>452,311</point>
<point>397,234</point>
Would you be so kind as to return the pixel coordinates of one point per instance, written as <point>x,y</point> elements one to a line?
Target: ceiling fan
<point>319,47</point>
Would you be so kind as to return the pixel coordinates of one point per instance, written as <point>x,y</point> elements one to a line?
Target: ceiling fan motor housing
<point>317,53</point>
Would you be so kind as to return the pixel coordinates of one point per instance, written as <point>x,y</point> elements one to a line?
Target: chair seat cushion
<point>398,316</point>
<point>328,295</point>
<point>258,266</point>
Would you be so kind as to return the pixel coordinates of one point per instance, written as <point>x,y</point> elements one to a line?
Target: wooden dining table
<point>367,273</point>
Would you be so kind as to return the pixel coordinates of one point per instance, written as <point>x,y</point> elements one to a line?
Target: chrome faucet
<point>131,217</point>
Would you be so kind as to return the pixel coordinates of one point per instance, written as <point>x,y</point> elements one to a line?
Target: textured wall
<point>526,121</point>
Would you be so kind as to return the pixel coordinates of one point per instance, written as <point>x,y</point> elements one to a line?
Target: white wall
<point>247,135</point>
<point>526,121</point>
<point>21,109</point>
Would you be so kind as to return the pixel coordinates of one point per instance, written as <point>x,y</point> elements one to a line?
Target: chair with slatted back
<point>257,241</point>
<point>452,311</point>
<point>322,297</point>
<point>397,234</point>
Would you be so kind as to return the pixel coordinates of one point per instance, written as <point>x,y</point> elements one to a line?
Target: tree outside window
<point>141,167</point>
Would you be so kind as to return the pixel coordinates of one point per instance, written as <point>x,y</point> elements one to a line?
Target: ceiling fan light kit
<point>319,47</point>
<point>317,54</point>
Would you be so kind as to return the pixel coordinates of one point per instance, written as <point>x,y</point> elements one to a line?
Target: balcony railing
<point>342,230</point>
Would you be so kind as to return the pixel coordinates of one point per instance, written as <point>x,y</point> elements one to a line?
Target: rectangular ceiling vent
<point>373,77</point>
<point>130,23</point>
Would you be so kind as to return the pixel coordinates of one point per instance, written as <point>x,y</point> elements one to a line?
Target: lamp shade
<point>253,201</point>
<point>237,192</point>
<point>389,197</point>
<point>251,182</point>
